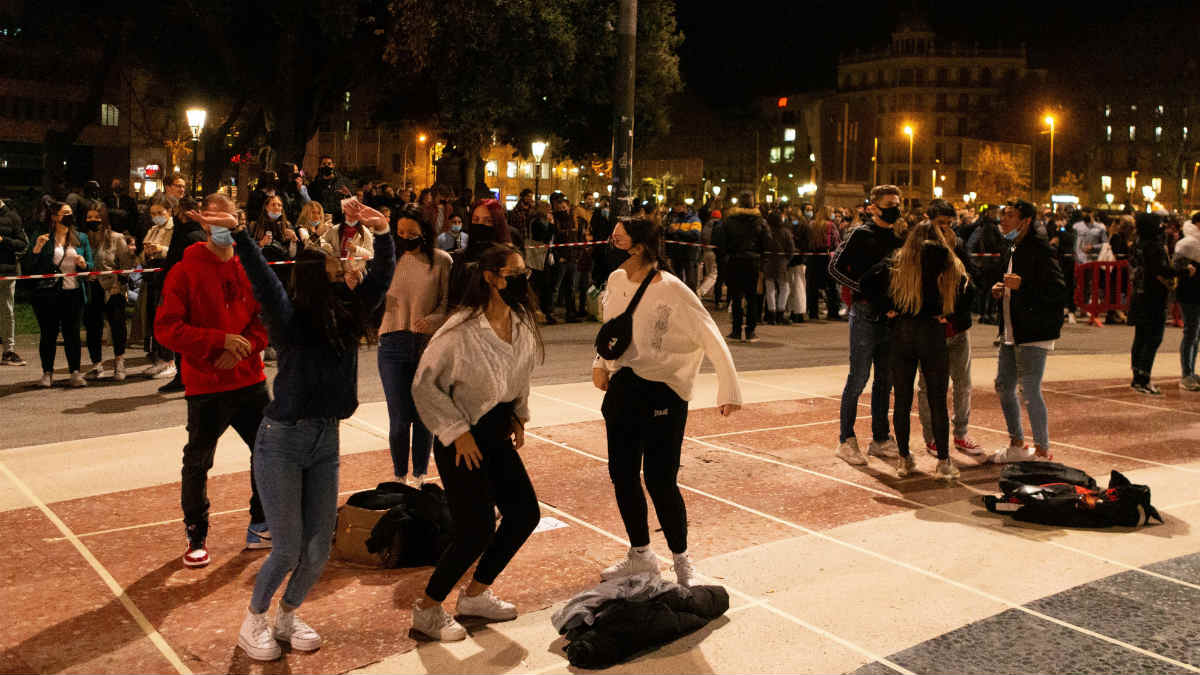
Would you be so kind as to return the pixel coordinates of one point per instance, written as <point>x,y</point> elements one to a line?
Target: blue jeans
<point>868,349</point>
<point>1023,366</point>
<point>1191,337</point>
<point>399,353</point>
<point>297,470</point>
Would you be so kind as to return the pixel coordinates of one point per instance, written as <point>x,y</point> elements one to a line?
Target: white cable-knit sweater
<point>672,333</point>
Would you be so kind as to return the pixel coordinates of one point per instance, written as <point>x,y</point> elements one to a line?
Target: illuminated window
<point>109,115</point>
<point>1106,183</point>
<point>789,135</point>
<point>1185,133</point>
<point>492,168</point>
<point>1107,111</point>
<point>511,171</point>
<point>545,170</point>
<point>774,156</point>
<point>1157,134</point>
<point>1185,184</point>
<point>1132,133</point>
<point>1156,183</point>
<point>1133,108</point>
<point>789,153</point>
<point>526,170</point>
<point>1108,133</point>
<point>1159,110</point>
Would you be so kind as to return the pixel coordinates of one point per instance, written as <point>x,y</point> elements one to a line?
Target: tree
<point>1069,183</point>
<point>998,177</point>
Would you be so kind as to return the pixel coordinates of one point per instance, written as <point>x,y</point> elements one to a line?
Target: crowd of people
<point>455,290</point>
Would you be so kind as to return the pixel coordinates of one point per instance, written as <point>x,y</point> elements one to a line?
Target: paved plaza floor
<point>830,568</point>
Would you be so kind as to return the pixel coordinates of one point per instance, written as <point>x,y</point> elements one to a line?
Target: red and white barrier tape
<point>147,270</point>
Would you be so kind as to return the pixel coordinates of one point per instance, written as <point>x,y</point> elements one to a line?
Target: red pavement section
<point>61,617</point>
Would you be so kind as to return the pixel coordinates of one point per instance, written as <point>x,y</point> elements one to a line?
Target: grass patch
<point>26,322</point>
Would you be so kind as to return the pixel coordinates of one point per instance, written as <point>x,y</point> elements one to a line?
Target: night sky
<point>764,48</point>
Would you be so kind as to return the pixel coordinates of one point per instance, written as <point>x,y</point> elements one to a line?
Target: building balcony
<point>950,51</point>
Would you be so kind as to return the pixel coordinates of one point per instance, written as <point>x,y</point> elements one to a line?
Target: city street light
<point>539,150</point>
<point>1049,120</point>
<point>937,191</point>
<point>421,138</point>
<point>1108,197</point>
<point>195,120</point>
<point>908,131</point>
<point>716,190</point>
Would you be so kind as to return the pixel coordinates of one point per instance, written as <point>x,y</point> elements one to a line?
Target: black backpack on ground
<point>1055,494</point>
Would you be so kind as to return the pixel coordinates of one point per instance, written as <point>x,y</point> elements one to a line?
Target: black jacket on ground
<point>13,240</point>
<point>863,248</point>
<point>623,628</point>
<point>1037,306</point>
<point>743,235</point>
<point>417,527</point>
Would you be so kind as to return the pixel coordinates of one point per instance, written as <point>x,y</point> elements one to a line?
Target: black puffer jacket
<point>1151,267</point>
<point>623,628</point>
<point>1037,306</point>
<point>743,235</point>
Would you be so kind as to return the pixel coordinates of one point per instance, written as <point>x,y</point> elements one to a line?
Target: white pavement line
<point>909,566</point>
<point>151,632</point>
<point>1116,400</point>
<point>761,602</point>
<point>783,428</point>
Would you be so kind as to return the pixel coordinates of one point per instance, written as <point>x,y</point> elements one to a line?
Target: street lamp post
<point>1192,187</point>
<point>539,150</point>
<point>908,131</point>
<point>1050,121</point>
<point>195,120</point>
<point>421,141</point>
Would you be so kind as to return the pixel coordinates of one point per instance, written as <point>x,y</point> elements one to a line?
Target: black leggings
<point>60,310</point>
<point>100,309</point>
<point>742,278</point>
<point>646,420</point>
<point>920,342</point>
<point>500,481</point>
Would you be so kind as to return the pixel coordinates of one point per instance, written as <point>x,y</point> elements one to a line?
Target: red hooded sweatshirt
<point>203,300</point>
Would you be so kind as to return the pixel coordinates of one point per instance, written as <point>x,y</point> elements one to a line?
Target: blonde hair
<point>310,212</point>
<point>905,285</point>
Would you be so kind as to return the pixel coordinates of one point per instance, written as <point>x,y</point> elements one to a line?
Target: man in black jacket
<point>1031,294</point>
<point>329,189</point>
<point>741,243</point>
<point>865,246</point>
<point>13,242</point>
<point>123,211</point>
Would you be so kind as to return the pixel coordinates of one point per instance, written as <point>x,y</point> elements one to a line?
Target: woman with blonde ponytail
<point>918,288</point>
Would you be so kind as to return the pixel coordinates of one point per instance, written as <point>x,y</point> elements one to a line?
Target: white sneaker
<point>96,372</point>
<point>1071,319</point>
<point>884,449</point>
<point>119,369</point>
<point>685,573</point>
<point>155,368</point>
<point>633,563</point>
<point>164,370</point>
<point>412,481</point>
<point>486,605</point>
<point>256,639</point>
<point>946,470</point>
<point>1013,453</point>
<point>292,629</point>
<point>419,480</point>
<point>47,380</point>
<point>76,380</point>
<point>437,624</point>
<point>905,466</point>
<point>849,452</point>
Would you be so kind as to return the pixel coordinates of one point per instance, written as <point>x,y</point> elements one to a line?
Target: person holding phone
<point>58,303</point>
<point>472,392</point>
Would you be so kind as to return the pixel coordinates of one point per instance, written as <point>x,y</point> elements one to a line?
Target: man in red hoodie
<point>210,317</point>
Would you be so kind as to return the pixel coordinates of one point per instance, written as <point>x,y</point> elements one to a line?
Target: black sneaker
<point>1146,388</point>
<point>174,386</point>
<point>735,336</point>
<point>11,359</point>
<point>751,337</point>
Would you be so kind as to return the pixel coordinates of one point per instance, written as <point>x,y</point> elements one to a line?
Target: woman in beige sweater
<point>415,308</point>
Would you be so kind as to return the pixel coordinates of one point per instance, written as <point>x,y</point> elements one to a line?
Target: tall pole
<point>195,160</point>
<point>910,168</point>
<point>623,90</point>
<point>845,137</point>
<point>1192,187</point>
<point>875,163</point>
<point>537,182</point>
<point>1050,189</point>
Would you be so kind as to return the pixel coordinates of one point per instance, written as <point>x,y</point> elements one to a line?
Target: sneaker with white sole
<point>76,380</point>
<point>437,624</point>
<point>633,563</point>
<point>155,368</point>
<point>258,536</point>
<point>292,629</point>
<point>946,470</point>
<point>905,465</point>
<point>1190,383</point>
<point>96,373</point>
<point>166,372</point>
<point>968,446</point>
<point>1012,454</point>
<point>119,369</point>
<point>848,452</point>
<point>486,605</point>
<point>256,639</point>
<point>884,449</point>
<point>1146,388</point>
<point>47,380</point>
<point>11,358</point>
<point>197,554</point>
<point>685,572</point>
<point>931,448</point>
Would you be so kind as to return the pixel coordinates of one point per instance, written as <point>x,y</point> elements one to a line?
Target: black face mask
<point>325,171</point>
<point>93,225</point>
<point>616,255</point>
<point>890,215</point>
<point>516,291</point>
<point>480,233</point>
<point>410,244</point>
<point>68,220</point>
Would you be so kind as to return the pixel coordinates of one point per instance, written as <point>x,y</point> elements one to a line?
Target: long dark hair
<point>334,318</point>
<point>477,292</point>
<point>413,212</point>
<point>649,235</point>
<point>265,224</point>
<point>52,210</point>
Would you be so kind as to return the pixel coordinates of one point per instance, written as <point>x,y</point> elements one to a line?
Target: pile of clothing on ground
<point>620,618</point>
<point>394,525</point>
<point>1050,493</point>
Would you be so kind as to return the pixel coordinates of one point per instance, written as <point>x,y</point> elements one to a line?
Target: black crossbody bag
<point>616,334</point>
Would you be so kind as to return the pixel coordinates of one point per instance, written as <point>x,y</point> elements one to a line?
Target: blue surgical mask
<point>314,224</point>
<point>456,228</point>
<point>1012,235</point>
<point>274,215</point>
<point>159,220</point>
<point>221,236</point>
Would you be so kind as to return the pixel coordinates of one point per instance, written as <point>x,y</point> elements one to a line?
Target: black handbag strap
<point>637,297</point>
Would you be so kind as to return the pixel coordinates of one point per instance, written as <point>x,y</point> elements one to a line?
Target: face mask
<point>456,228</point>
<point>605,212</point>
<point>325,171</point>
<point>221,236</point>
<point>314,224</point>
<point>890,215</point>
<point>410,244</point>
<point>808,214</point>
<point>68,220</point>
<point>1012,236</point>
<point>93,225</point>
<point>516,290</point>
<point>619,256</point>
<point>274,215</point>
<point>159,220</point>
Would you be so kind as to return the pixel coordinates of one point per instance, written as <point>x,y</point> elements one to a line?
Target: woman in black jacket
<point>1153,279</point>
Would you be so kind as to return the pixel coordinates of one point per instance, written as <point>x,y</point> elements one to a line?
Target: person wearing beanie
<point>1153,279</point>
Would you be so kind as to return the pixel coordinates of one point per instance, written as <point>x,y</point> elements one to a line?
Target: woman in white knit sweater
<point>647,392</point>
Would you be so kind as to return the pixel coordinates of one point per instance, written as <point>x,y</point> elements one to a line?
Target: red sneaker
<point>196,556</point>
<point>931,448</point>
<point>967,446</point>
